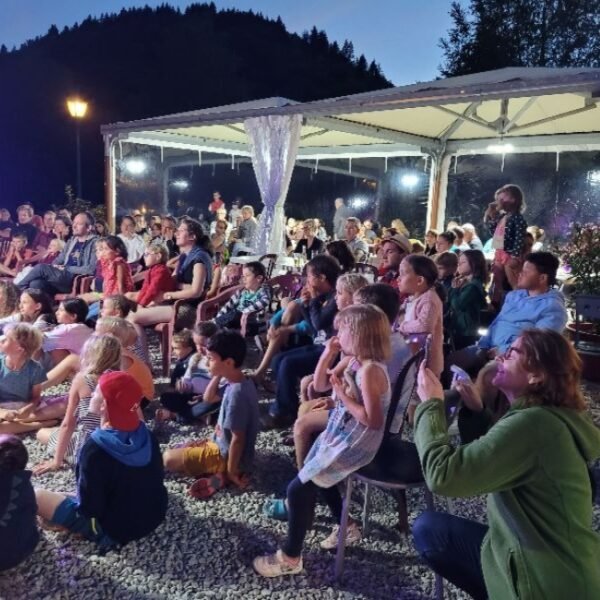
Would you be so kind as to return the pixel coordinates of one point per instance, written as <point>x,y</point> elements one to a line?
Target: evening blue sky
<point>401,35</point>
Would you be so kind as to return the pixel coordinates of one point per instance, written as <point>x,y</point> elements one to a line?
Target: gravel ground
<point>205,549</point>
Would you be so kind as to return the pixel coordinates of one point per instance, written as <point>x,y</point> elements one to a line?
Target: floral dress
<point>346,445</point>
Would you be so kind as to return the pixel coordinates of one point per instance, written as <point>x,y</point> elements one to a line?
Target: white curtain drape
<point>274,144</point>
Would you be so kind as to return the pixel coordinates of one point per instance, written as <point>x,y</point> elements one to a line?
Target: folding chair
<point>373,476</point>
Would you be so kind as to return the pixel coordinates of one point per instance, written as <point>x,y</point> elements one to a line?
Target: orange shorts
<point>204,459</point>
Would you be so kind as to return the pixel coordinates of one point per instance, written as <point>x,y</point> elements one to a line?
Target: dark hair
<point>116,244</point>
<point>195,228</point>
<point>77,307</point>
<point>516,192</point>
<point>127,218</point>
<point>206,328</point>
<point>104,224</point>
<point>477,264</point>
<point>20,236</point>
<point>383,296</point>
<point>326,266</point>
<point>340,251</point>
<point>448,260</point>
<point>459,232</point>
<point>424,267</point>
<point>449,236</point>
<point>65,220</point>
<point>91,219</point>
<point>13,454</point>
<point>228,344</point>
<point>123,304</point>
<point>46,308</point>
<point>545,263</point>
<point>257,268</point>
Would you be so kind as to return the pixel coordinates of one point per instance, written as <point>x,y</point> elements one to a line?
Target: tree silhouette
<point>491,34</point>
<point>145,62</point>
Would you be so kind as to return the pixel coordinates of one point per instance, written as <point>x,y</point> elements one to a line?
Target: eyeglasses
<point>510,351</point>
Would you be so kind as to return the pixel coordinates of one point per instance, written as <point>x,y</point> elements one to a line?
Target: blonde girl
<point>101,353</point>
<point>352,437</point>
<point>126,333</point>
<point>21,377</point>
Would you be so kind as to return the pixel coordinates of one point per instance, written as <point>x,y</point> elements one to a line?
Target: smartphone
<point>459,374</point>
<point>428,341</point>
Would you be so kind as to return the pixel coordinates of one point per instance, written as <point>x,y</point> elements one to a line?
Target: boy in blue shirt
<point>229,455</point>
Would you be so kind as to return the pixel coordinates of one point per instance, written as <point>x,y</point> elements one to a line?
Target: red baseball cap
<point>122,396</point>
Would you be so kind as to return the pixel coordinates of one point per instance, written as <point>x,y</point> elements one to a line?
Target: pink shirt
<point>70,337</point>
<point>424,315</point>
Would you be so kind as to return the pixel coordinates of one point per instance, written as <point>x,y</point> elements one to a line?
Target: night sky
<point>401,35</point>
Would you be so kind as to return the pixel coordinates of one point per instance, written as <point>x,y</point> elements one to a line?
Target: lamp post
<point>77,110</point>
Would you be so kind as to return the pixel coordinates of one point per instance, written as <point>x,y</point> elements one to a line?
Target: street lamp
<point>77,110</point>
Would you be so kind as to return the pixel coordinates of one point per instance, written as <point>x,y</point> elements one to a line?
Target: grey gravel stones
<point>204,550</point>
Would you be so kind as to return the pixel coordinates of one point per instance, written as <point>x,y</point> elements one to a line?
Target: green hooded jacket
<point>533,464</point>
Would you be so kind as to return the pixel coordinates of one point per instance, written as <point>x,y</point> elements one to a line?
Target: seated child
<point>120,306</point>
<point>230,454</point>
<point>21,380</point>
<point>159,278</point>
<point>447,264</point>
<point>125,332</point>
<point>115,272</point>
<point>100,354</point>
<point>190,400</point>
<point>45,257</point>
<point>118,469</point>
<point>34,307</point>
<point>17,254</point>
<point>18,524</point>
<point>69,336</point>
<point>254,297</point>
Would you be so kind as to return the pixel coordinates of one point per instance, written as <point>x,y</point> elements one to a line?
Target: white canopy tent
<point>508,110</point>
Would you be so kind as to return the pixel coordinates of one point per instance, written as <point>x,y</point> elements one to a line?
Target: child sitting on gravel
<point>121,495</point>
<point>229,455</point>
<point>190,401</point>
<point>18,526</point>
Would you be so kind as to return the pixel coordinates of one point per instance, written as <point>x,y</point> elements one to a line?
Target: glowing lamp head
<point>410,180</point>
<point>135,166</point>
<point>77,108</point>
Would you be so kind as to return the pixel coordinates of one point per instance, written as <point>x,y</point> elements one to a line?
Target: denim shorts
<point>68,515</point>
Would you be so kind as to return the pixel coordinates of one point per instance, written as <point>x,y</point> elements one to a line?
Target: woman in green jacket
<point>467,299</point>
<point>539,543</point>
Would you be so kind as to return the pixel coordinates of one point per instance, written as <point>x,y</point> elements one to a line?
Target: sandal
<point>205,487</point>
<point>276,509</point>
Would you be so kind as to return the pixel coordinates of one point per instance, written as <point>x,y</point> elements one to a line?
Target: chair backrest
<point>207,309</point>
<point>286,286</point>
<point>269,261</point>
<point>403,391</point>
<point>366,269</point>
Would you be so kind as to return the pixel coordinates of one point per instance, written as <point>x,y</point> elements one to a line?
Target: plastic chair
<point>78,281</point>
<point>208,309</point>
<point>366,269</point>
<point>268,260</point>
<point>372,475</point>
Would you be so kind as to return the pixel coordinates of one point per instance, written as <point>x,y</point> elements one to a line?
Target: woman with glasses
<point>539,541</point>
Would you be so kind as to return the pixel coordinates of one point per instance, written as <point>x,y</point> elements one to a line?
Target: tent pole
<point>438,187</point>
<point>109,182</point>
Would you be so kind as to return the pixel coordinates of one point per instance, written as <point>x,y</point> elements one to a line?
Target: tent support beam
<point>470,119</point>
<point>530,102</point>
<point>569,113</point>
<point>382,133</point>
<point>453,127</point>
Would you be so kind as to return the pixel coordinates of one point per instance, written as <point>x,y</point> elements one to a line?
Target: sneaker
<point>275,565</point>
<point>353,535</point>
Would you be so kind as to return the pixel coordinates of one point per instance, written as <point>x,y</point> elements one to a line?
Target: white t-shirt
<point>135,247</point>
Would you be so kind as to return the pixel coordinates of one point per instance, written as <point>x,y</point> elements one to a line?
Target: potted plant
<point>581,259</point>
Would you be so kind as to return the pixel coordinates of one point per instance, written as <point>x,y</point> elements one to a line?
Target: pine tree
<point>491,34</point>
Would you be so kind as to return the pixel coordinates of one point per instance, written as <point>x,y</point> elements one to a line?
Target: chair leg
<point>166,335</point>
<point>402,512</point>
<point>429,499</point>
<point>341,547</point>
<point>439,587</point>
<point>366,509</point>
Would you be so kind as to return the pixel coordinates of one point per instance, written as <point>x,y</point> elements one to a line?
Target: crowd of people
<point>76,302</point>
